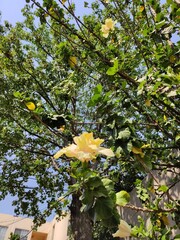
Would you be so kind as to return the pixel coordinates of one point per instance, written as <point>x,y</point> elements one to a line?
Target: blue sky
<point>11,10</point>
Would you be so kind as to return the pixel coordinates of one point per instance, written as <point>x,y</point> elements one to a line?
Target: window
<point>22,233</point>
<point>3,232</point>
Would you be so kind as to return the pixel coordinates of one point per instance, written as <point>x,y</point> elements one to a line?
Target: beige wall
<point>55,230</point>
<point>59,229</point>
<point>163,178</point>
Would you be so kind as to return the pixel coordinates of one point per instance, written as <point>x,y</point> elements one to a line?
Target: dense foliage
<point>113,72</point>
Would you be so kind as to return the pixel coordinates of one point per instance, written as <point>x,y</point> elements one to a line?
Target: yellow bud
<point>172,59</point>
<point>72,61</point>
<point>148,103</point>
<point>141,8</point>
<point>165,118</point>
<point>30,105</point>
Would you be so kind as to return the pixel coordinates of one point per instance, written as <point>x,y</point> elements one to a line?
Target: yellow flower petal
<point>85,149</point>
<point>106,151</point>
<point>69,151</point>
<point>109,25</point>
<point>123,231</point>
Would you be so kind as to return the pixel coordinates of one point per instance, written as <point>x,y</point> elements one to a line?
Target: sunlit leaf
<point>163,188</point>
<point>137,150</point>
<point>146,146</point>
<point>113,70</point>
<point>172,93</point>
<point>122,198</point>
<point>17,94</point>
<point>177,137</point>
<point>124,134</point>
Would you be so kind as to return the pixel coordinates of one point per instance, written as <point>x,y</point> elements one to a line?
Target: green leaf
<point>75,187</point>
<point>104,208</point>
<point>177,237</point>
<point>163,188</point>
<point>167,30</point>
<point>109,186</point>
<point>172,93</point>
<point>87,198</point>
<point>124,134</point>
<point>17,94</point>
<point>119,152</point>
<point>86,4</point>
<point>177,137</point>
<point>98,88</point>
<point>94,182</point>
<point>96,96</point>
<point>160,24</point>
<point>100,191</point>
<point>122,198</point>
<point>113,70</point>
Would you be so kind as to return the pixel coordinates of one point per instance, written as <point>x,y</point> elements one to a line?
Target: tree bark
<point>81,224</point>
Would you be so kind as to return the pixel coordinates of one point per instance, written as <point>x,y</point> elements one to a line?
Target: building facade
<point>54,230</point>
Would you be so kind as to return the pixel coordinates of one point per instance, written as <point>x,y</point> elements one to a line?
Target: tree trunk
<point>81,224</point>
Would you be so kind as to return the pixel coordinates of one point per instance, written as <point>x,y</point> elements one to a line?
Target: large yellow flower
<point>109,25</point>
<point>123,231</point>
<point>86,148</point>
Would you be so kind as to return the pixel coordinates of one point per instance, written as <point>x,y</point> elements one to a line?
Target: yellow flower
<point>85,148</point>
<point>123,231</point>
<point>109,25</point>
